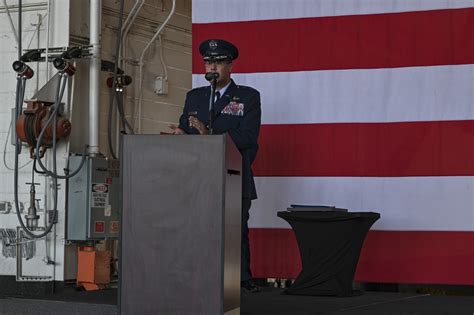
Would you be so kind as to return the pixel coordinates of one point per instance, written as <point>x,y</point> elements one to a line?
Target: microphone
<point>122,80</point>
<point>211,76</point>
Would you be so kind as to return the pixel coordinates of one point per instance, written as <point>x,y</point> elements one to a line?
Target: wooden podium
<point>180,228</point>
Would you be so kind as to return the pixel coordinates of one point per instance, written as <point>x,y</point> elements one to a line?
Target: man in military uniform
<point>236,112</point>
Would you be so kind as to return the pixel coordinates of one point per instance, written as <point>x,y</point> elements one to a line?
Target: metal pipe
<point>123,53</point>
<point>19,29</point>
<point>162,58</point>
<point>132,16</point>
<point>48,243</point>
<point>126,28</point>
<point>94,76</point>
<point>38,44</point>
<point>46,56</point>
<point>142,56</point>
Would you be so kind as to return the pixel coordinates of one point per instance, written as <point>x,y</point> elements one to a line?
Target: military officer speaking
<point>236,112</point>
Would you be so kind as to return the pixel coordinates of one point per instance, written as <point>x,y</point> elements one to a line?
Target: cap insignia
<point>213,44</point>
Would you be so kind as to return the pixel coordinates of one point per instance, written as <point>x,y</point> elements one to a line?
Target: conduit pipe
<point>142,56</point>
<point>48,13</point>
<point>94,75</point>
<point>127,25</point>
<point>123,51</point>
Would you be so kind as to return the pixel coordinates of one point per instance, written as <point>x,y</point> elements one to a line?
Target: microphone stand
<point>211,103</point>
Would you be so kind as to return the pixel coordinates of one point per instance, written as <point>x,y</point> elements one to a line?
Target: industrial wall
<point>38,19</point>
<point>66,23</point>
<point>157,111</point>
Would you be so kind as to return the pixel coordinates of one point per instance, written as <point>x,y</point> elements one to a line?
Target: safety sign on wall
<point>100,195</point>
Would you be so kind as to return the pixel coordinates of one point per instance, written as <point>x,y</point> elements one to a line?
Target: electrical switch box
<point>161,85</point>
<point>93,200</point>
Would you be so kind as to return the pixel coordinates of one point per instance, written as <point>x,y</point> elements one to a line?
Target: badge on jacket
<point>234,108</point>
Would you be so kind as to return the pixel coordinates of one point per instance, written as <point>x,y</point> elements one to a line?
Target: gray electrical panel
<point>93,200</point>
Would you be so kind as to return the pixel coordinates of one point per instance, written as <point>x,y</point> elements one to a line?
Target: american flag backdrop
<point>366,105</point>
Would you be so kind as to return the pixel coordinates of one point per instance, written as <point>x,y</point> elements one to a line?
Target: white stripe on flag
<point>406,203</point>
<point>376,95</point>
<point>208,11</point>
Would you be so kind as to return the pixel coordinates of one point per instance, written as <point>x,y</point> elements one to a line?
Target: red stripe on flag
<point>274,253</point>
<point>435,148</point>
<point>429,257</point>
<point>424,38</point>
<point>417,257</point>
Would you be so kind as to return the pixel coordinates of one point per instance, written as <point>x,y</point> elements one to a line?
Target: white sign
<point>100,195</point>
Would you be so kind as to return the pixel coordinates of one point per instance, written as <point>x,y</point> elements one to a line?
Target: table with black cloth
<point>330,243</point>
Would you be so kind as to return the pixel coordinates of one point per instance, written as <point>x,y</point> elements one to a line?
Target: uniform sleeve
<point>246,135</point>
<point>183,120</point>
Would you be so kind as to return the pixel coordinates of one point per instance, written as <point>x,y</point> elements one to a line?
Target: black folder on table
<point>315,208</point>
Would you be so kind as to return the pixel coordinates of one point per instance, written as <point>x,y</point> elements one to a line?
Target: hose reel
<point>33,119</point>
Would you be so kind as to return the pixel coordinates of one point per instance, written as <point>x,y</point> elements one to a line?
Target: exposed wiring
<point>123,53</point>
<point>138,111</point>
<point>70,107</point>
<point>114,82</point>
<point>162,58</point>
<point>126,28</point>
<point>60,92</point>
<point>52,119</point>
<point>17,113</point>
<point>125,124</point>
<point>20,95</point>
<point>5,152</point>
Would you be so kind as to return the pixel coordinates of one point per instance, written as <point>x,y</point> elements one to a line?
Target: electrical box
<point>93,200</point>
<point>161,85</point>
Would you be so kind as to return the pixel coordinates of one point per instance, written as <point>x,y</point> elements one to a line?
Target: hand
<point>196,123</point>
<point>176,129</point>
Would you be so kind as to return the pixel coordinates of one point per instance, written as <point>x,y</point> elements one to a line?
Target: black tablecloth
<point>330,243</point>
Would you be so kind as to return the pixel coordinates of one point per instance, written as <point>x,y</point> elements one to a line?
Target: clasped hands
<point>193,123</point>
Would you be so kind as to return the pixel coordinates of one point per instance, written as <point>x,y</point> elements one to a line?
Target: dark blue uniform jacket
<point>238,113</point>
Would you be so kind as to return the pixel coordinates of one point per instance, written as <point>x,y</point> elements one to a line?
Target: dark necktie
<point>218,95</point>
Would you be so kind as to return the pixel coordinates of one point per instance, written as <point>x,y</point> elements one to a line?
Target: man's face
<point>223,67</point>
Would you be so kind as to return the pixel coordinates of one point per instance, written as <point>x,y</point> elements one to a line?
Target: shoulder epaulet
<point>200,88</point>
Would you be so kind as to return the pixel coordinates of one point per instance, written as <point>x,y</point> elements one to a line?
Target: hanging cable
<point>17,113</point>
<point>21,83</point>
<point>52,118</point>
<point>125,124</point>
<point>62,80</point>
<point>114,81</point>
<point>5,152</point>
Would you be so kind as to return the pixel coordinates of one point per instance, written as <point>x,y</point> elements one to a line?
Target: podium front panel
<point>174,241</point>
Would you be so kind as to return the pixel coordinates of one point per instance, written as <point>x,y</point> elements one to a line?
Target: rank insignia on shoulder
<point>234,109</point>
